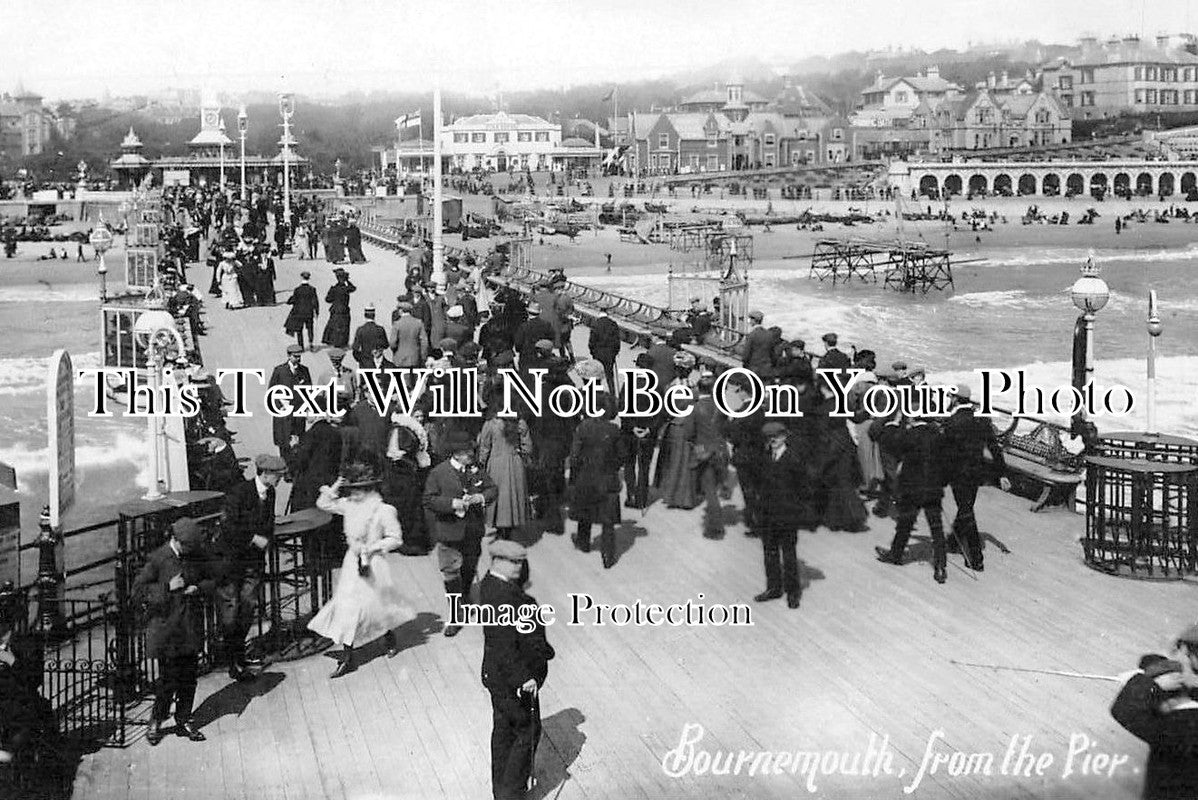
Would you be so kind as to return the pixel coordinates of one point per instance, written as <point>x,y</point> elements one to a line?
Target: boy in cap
<point>1155,706</point>
<point>248,527</point>
<point>172,584</point>
<point>515,666</point>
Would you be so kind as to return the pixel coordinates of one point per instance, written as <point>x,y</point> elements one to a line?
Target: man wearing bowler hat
<point>785,491</point>
<point>456,494</point>
<point>171,586</point>
<point>287,429</point>
<point>246,532</point>
<point>515,665</point>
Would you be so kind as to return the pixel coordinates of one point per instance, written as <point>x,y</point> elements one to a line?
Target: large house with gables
<point>739,131</point>
<point>982,120</point>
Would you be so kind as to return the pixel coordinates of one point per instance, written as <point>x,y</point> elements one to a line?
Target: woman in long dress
<point>366,602</point>
<point>677,477</point>
<point>301,241</point>
<point>230,287</point>
<point>504,446</point>
<point>336,330</point>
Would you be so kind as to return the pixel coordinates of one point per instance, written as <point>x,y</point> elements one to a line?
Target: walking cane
<point>531,700</point>
<point>1059,672</point>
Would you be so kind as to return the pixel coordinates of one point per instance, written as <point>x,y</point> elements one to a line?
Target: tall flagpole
<point>438,276</point>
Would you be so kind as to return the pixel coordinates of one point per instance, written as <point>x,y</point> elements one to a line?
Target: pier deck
<point>868,653</point>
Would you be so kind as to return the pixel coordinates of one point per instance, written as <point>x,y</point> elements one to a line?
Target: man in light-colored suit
<point>409,340</point>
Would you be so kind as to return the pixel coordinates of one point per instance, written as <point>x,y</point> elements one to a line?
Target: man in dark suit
<point>595,478</point>
<point>785,492</point>
<point>757,347</point>
<point>456,494</point>
<point>640,442</point>
<point>515,666</point>
<point>966,439</point>
<point>369,337</point>
<point>918,446</point>
<point>172,585</point>
<point>833,358</point>
<point>748,445</point>
<point>531,331</point>
<point>661,361</point>
<point>246,532</point>
<point>409,340</point>
<point>287,429</point>
<point>1156,705</point>
<point>604,346</point>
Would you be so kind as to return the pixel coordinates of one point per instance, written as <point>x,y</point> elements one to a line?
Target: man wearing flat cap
<point>514,668</point>
<point>171,587</point>
<point>1158,705</point>
<point>757,347</point>
<point>305,308</point>
<point>786,503</point>
<point>833,358</point>
<point>286,430</point>
<point>246,532</point>
<point>456,494</point>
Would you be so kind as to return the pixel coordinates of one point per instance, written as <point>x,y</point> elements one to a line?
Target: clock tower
<point>210,138</point>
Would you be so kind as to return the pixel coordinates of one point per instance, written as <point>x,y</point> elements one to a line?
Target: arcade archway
<point>1099,185</point>
<point>1165,185</point>
<point>952,184</point>
<point>929,186</point>
<point>1075,184</point>
<point>977,184</point>
<point>1002,185</point>
<point>1027,184</point>
<point>1122,184</point>
<point>1144,184</point>
<point>1052,185</point>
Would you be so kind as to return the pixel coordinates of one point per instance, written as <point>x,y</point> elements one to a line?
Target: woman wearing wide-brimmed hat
<point>367,602</point>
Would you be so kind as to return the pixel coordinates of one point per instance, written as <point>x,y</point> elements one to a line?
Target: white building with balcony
<point>501,142</point>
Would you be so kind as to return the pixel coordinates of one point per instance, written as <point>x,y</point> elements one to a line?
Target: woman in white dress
<point>230,289</point>
<point>301,241</point>
<point>366,602</point>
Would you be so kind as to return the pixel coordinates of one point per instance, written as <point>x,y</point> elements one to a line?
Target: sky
<point>66,49</point>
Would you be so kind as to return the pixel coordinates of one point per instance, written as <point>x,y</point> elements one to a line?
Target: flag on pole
<point>608,96</point>
<point>410,120</point>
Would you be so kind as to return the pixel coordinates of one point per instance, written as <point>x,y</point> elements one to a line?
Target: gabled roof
<point>920,83</point>
<point>720,97</point>
<point>210,137</point>
<point>645,123</point>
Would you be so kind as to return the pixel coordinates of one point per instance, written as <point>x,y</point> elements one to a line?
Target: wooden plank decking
<point>868,653</point>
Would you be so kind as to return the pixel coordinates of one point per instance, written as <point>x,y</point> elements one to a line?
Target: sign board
<point>46,196</point>
<point>60,421</point>
<point>176,177</point>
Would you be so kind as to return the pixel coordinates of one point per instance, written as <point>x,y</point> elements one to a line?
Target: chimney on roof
<point>1006,79</point>
<point>1131,38</point>
<point>932,71</point>
<point>1162,40</point>
<point>1088,41</point>
<point>990,81</point>
<point>788,82</point>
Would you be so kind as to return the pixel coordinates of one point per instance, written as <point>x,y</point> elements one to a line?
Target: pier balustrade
<point>79,631</point>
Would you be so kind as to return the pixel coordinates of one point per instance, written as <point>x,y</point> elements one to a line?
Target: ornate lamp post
<point>155,331</point>
<point>242,127</point>
<point>222,155</point>
<point>1154,331</point>
<point>100,239</point>
<point>286,109</point>
<point>1090,294</point>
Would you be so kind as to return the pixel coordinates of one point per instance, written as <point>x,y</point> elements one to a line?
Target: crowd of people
<point>466,489</point>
